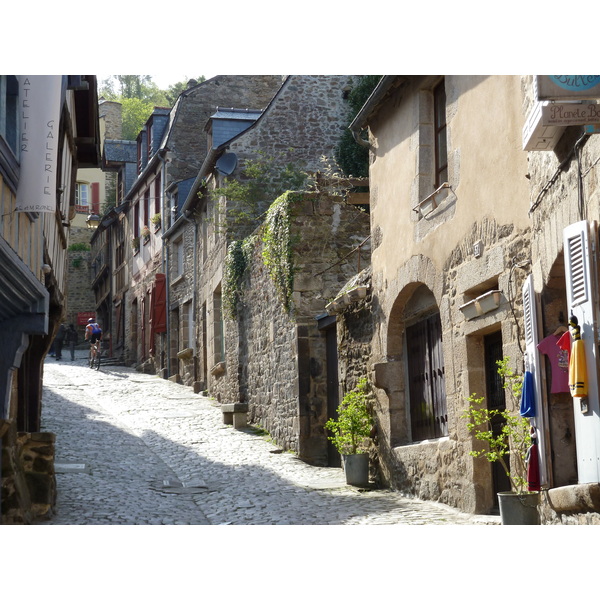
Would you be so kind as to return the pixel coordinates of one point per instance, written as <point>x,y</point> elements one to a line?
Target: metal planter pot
<point>356,468</point>
<point>519,509</point>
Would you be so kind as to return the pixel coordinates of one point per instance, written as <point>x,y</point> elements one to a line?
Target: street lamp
<point>93,221</point>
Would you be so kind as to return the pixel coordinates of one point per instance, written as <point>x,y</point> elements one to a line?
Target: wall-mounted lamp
<point>46,269</point>
<point>93,221</point>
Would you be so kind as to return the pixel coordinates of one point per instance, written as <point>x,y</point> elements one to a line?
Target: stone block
<point>235,414</point>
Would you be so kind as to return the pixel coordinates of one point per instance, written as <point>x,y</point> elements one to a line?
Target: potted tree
<point>351,431</point>
<point>509,445</point>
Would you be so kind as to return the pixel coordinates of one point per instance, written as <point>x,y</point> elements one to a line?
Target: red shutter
<point>95,198</point>
<point>159,314</point>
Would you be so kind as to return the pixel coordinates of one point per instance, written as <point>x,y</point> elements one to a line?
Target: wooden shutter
<point>159,315</point>
<point>427,390</point>
<point>582,300</point>
<point>534,365</point>
<point>95,198</point>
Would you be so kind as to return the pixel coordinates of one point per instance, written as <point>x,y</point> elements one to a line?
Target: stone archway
<point>417,292</point>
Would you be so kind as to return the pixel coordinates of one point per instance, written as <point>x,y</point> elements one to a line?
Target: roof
<point>239,114</point>
<point>230,123</point>
<point>386,84</point>
<point>120,151</point>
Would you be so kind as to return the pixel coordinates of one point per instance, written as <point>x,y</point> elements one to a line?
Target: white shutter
<point>533,364</point>
<point>582,298</point>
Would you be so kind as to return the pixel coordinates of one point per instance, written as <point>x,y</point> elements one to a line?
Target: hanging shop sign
<point>564,114</point>
<point>39,103</point>
<point>82,317</point>
<point>568,87</point>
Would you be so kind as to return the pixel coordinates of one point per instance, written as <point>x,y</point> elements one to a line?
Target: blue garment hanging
<point>527,396</point>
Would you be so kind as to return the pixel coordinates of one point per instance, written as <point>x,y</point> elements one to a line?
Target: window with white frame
<point>82,195</point>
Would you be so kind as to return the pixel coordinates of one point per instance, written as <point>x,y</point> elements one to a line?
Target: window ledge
<point>429,204</point>
<point>575,498</point>
<point>428,442</point>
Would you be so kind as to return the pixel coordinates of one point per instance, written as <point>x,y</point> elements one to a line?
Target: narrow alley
<point>134,449</point>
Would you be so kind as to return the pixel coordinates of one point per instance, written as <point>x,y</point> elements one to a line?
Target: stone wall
<point>80,295</point>
<point>188,142</point>
<point>304,123</point>
<point>275,360</point>
<point>28,491</point>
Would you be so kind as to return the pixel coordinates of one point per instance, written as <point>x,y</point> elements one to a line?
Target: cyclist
<point>93,333</point>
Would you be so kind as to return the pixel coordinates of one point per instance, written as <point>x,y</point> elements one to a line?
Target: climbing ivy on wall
<point>277,256</point>
<point>277,251</point>
<point>239,255</point>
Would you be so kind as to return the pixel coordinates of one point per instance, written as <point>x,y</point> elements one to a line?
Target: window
<point>440,138</point>
<point>178,257</point>
<point>146,215</point>
<point>82,197</point>
<point>9,123</point>
<point>136,219</point>
<point>157,191</point>
<point>428,413</point>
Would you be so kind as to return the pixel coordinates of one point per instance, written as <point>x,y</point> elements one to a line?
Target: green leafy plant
<point>237,259</point>
<point>511,438</point>
<point>155,220</point>
<point>278,246</point>
<point>352,428</point>
<point>79,247</point>
<point>240,202</point>
<point>135,243</point>
<point>145,233</point>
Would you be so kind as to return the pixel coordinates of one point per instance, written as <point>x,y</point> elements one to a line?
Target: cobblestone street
<point>136,449</point>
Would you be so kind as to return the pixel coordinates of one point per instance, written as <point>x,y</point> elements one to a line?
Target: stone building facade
<point>172,146</point>
<point>443,234</point>
<point>564,212</point>
<point>301,122</point>
<point>480,219</point>
<point>275,357</point>
<point>34,237</point>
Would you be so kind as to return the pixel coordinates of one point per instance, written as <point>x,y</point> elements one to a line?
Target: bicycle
<point>95,355</point>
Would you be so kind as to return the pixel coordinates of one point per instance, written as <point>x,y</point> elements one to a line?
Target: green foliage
<point>172,93</point>
<point>79,247</point>
<point>259,181</point>
<point>141,87</point>
<point>514,436</point>
<point>351,156</point>
<point>135,114</point>
<point>238,258</point>
<point>277,252</point>
<point>353,425</point>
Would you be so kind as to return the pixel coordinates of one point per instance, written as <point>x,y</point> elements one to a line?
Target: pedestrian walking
<point>59,341</point>
<point>71,339</point>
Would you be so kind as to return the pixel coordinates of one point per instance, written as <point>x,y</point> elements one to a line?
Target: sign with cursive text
<point>568,87</point>
<point>564,114</point>
<point>39,112</point>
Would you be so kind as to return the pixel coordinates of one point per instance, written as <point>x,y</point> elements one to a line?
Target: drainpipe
<point>165,257</point>
<point>194,222</point>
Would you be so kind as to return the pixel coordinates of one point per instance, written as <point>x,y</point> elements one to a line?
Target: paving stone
<point>137,449</point>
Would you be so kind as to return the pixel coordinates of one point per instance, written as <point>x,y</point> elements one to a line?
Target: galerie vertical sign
<point>39,103</point>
